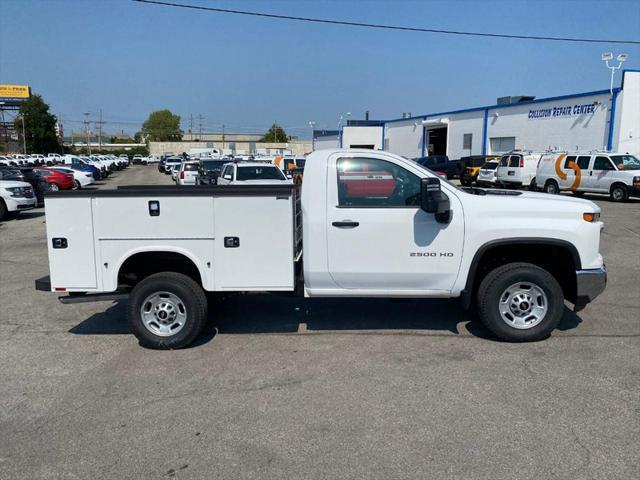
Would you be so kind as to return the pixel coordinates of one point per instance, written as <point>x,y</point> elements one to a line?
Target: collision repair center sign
<point>563,111</point>
<point>15,91</point>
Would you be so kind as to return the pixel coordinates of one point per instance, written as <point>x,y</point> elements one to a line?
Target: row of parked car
<point>231,170</point>
<point>614,174</point>
<point>25,179</point>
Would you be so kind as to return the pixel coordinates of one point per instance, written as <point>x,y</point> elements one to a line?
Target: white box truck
<point>364,224</point>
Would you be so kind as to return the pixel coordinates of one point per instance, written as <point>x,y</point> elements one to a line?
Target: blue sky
<point>130,59</point>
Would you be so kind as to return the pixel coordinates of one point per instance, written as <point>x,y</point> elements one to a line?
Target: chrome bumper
<point>589,284</point>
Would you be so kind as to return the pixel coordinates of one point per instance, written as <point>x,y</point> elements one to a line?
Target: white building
<point>598,120</point>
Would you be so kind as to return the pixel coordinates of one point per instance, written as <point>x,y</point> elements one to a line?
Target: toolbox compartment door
<point>70,243</point>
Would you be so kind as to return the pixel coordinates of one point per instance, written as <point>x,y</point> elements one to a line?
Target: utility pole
<point>86,126</point>
<point>24,137</point>
<point>200,118</point>
<point>191,126</point>
<point>100,122</point>
<point>223,135</point>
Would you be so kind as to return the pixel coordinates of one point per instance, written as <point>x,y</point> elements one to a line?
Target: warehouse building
<point>600,120</point>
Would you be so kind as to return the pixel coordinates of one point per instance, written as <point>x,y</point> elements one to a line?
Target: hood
<point>532,202</point>
<point>13,183</point>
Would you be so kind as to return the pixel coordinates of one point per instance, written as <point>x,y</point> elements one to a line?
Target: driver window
<point>603,163</point>
<point>369,182</point>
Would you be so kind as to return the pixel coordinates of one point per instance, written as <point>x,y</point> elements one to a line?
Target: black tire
<point>619,193</point>
<point>76,185</point>
<point>551,187</point>
<point>533,186</point>
<point>192,297</point>
<point>3,210</point>
<point>496,284</point>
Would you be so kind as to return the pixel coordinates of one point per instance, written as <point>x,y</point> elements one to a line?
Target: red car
<point>57,180</point>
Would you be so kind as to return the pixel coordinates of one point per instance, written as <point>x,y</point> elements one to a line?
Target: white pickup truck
<point>372,224</point>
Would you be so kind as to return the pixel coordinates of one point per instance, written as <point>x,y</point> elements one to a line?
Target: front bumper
<point>15,204</point>
<point>589,284</point>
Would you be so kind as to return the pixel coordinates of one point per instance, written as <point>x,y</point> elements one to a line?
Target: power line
<point>387,27</point>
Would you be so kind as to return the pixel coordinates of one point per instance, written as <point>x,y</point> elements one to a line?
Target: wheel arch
<point>145,261</point>
<point>515,249</point>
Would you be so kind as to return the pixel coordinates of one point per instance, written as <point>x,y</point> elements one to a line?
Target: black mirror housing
<point>433,200</point>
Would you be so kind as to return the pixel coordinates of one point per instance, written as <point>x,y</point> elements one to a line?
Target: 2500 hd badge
<point>431,254</point>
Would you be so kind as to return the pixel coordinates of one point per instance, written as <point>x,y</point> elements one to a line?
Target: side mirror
<point>433,200</point>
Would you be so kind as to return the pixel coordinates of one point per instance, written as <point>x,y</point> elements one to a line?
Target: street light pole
<point>24,137</point>
<point>621,58</point>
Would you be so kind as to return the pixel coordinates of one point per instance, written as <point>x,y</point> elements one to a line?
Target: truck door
<point>379,238</point>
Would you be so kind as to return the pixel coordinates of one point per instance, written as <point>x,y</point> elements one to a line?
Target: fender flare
<point>467,293</point>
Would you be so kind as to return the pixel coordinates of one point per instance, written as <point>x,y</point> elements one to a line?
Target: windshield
<point>626,162</point>
<point>212,165</point>
<point>259,173</point>
<point>490,166</point>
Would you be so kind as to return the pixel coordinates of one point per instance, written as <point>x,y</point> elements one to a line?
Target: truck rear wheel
<point>520,302</point>
<point>167,310</point>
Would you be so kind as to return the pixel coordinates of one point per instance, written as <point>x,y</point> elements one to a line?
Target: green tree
<point>39,126</point>
<point>276,134</point>
<point>162,126</point>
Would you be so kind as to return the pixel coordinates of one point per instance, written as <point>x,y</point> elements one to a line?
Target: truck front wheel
<point>520,302</point>
<point>167,310</point>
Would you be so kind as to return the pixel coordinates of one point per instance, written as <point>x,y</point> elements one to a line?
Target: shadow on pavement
<point>264,313</point>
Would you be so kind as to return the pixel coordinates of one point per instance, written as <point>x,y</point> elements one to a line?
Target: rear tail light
<point>182,174</point>
<point>521,162</point>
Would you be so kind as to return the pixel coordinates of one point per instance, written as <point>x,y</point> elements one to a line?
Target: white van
<point>615,174</point>
<point>197,153</point>
<point>518,169</point>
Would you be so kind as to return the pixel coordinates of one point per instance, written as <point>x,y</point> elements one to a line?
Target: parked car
<point>81,178</point>
<point>471,167</point>
<point>188,173</point>
<point>410,235</point>
<point>39,184</point>
<point>170,163</point>
<point>77,163</point>
<point>210,171</point>
<point>137,159</point>
<point>57,180</point>
<point>441,163</point>
<point>11,173</point>
<point>518,170</point>
<point>251,173</point>
<point>15,196</point>
<point>161,165</point>
<point>615,174</point>
<point>488,174</point>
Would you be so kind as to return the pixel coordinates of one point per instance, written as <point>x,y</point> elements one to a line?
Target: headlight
<point>19,191</point>
<point>591,217</point>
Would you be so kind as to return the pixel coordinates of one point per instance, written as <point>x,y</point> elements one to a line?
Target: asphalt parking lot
<point>292,388</point>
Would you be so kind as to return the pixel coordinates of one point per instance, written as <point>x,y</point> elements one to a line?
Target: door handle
<point>345,224</point>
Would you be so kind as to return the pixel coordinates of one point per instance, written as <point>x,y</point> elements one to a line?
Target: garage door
<point>502,144</point>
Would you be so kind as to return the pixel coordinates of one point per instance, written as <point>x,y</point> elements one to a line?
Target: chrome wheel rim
<point>551,188</point>
<point>163,313</point>
<point>54,187</point>
<point>523,305</point>
<point>618,194</point>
